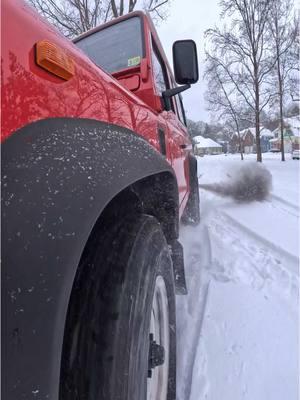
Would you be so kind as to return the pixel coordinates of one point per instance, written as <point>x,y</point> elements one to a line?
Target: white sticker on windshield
<point>134,61</point>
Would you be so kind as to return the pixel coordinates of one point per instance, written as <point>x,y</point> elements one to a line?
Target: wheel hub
<point>156,355</point>
<point>159,344</point>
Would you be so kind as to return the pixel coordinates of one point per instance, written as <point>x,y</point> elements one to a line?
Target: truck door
<point>176,133</point>
<point>178,151</point>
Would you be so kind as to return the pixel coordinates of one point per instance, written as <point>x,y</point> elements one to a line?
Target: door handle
<point>183,146</point>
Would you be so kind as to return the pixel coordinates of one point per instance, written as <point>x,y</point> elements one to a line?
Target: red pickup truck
<point>97,172</point>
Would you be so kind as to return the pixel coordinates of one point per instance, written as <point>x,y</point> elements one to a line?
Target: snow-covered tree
<point>221,95</point>
<point>244,53</point>
<point>283,34</point>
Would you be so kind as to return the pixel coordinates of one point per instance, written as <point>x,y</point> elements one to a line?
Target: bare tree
<point>73,17</point>
<point>283,35</point>
<point>293,83</point>
<point>245,53</point>
<point>221,95</point>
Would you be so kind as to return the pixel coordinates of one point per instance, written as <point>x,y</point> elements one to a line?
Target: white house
<point>206,146</point>
<point>294,125</point>
<point>291,131</point>
<point>291,127</point>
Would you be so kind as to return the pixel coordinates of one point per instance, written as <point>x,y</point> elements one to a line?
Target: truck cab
<point>130,50</point>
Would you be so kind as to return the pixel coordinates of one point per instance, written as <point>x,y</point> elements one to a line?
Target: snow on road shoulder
<point>251,353</point>
<point>238,326</point>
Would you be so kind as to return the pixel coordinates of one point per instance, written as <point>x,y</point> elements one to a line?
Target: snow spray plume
<point>249,182</point>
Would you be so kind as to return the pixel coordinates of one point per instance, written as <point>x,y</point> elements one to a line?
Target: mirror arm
<point>167,94</point>
<point>176,90</point>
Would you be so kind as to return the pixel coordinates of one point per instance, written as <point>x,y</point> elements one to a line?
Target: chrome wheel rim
<point>157,384</point>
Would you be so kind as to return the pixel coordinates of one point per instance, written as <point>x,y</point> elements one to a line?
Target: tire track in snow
<point>284,205</point>
<point>196,375</point>
<point>250,258</point>
<point>192,306</point>
<point>196,342</point>
<point>239,256</point>
<point>290,260</point>
<point>242,256</point>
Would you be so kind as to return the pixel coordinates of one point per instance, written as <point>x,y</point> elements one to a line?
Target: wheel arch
<point>57,204</point>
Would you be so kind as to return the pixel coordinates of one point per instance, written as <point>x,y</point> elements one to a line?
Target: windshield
<point>116,47</point>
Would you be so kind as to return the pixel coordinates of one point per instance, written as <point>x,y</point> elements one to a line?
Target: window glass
<point>181,112</point>
<point>158,72</point>
<point>179,105</point>
<point>116,47</point>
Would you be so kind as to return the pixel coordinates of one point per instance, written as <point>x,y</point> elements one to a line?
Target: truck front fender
<point>58,175</point>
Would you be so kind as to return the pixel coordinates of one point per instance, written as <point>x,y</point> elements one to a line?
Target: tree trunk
<point>257,134</point>
<point>241,152</point>
<point>257,119</point>
<point>121,7</point>
<point>240,142</point>
<point>281,130</point>
<point>280,107</point>
<point>114,8</point>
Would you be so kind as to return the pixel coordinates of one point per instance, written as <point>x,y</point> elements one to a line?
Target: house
<point>206,146</point>
<point>291,131</point>
<point>291,127</point>
<point>276,144</point>
<point>234,144</point>
<point>225,145</point>
<point>265,137</point>
<point>293,124</point>
<point>248,140</point>
<point>287,132</point>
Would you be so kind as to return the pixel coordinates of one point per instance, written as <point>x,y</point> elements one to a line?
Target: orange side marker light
<point>54,59</point>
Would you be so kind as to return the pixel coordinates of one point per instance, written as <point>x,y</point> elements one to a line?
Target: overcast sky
<point>189,19</point>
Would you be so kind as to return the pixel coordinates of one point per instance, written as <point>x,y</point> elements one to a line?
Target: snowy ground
<point>238,327</point>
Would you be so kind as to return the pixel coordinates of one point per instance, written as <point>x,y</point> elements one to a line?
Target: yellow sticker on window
<point>134,61</point>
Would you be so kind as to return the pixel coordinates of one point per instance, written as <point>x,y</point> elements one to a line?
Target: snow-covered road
<point>238,327</point>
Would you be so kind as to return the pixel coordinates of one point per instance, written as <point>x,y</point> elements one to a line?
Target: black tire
<point>191,214</point>
<point>106,343</point>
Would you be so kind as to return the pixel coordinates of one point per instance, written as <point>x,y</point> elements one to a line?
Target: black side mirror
<point>185,69</point>
<point>185,62</point>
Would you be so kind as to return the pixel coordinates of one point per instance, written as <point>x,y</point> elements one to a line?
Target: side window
<point>181,110</point>
<point>178,109</point>
<point>160,78</point>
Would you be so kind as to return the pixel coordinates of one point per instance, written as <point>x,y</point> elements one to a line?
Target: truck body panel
<point>30,93</point>
<point>69,148</point>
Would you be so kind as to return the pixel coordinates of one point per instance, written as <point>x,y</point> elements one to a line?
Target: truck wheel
<point>120,341</point>
<point>191,214</point>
